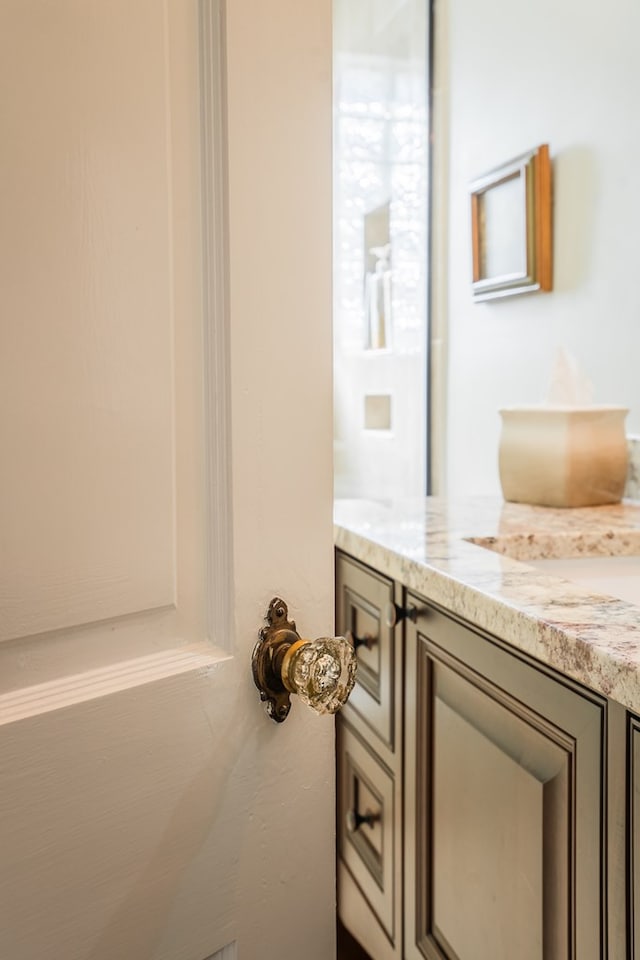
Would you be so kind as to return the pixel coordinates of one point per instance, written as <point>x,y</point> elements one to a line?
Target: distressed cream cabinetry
<point>370,745</point>
<point>634,836</point>
<point>504,808</point>
<point>499,792</point>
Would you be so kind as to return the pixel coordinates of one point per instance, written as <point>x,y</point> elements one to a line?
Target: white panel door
<point>165,470</point>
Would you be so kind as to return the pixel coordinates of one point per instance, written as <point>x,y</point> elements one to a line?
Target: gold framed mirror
<point>511,231</point>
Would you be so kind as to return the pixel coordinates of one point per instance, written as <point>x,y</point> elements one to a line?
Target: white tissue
<point>569,386</point>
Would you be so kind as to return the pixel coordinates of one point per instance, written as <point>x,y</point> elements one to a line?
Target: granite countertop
<point>470,557</point>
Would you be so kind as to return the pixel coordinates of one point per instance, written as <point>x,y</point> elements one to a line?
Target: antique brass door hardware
<point>322,672</point>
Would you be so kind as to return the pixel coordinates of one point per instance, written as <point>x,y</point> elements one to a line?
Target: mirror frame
<point>532,171</point>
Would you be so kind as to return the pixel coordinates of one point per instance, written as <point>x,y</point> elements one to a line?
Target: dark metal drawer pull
<point>354,820</point>
<point>394,613</point>
<point>367,641</point>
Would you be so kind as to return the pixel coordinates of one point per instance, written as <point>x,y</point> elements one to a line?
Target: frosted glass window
<point>381,154</point>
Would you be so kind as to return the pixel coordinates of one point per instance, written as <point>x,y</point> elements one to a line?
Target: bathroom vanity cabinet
<point>634,838</point>
<point>485,801</point>
<point>370,763</point>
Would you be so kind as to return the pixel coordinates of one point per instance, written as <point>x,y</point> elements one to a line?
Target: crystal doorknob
<point>322,672</point>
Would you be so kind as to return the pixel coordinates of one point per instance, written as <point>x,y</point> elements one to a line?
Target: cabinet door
<point>634,838</point>
<point>504,828</point>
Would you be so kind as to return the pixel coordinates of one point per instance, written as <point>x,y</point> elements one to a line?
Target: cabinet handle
<point>394,614</point>
<point>354,820</point>
<point>367,641</point>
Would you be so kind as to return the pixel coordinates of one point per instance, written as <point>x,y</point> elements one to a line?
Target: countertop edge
<point>569,632</point>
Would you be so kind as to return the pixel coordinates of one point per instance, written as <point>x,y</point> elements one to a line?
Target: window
<point>381,176</point>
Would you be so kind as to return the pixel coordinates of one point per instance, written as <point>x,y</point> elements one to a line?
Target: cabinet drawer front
<point>367,790</point>
<point>361,598</point>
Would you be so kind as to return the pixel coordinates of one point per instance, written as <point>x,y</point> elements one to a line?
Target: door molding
<point>216,319</point>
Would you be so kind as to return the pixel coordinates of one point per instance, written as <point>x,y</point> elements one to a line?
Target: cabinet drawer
<point>361,598</point>
<point>367,847</point>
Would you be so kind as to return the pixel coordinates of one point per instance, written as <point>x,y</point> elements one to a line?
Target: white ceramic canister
<point>563,456</point>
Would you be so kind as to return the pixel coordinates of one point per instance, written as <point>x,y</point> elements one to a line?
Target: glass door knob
<point>321,672</point>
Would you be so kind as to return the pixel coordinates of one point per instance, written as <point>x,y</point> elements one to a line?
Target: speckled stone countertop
<point>439,547</point>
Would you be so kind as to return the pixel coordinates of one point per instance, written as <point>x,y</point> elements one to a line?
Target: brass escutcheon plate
<point>275,639</point>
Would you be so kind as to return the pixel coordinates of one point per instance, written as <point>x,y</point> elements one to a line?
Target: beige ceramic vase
<point>563,456</point>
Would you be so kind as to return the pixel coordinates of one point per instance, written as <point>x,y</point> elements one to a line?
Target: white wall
<point>511,74</point>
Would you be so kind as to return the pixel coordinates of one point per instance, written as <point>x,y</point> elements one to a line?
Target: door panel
<point>86,417</point>
<point>494,781</point>
<point>165,265</point>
